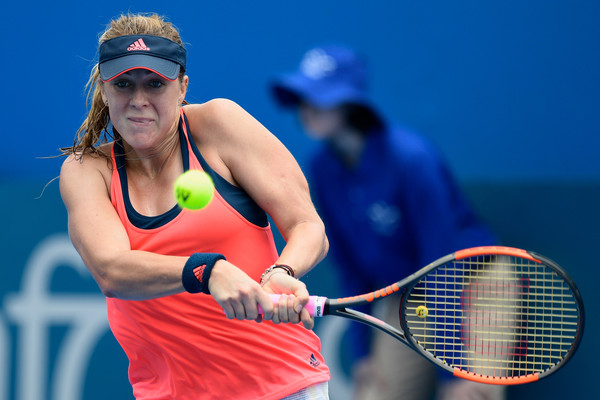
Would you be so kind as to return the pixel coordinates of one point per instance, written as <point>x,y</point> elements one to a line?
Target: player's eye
<point>156,84</point>
<point>122,83</point>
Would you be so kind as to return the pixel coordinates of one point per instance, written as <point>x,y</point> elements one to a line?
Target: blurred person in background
<point>390,206</point>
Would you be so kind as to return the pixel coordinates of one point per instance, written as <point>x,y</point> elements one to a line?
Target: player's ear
<point>183,89</point>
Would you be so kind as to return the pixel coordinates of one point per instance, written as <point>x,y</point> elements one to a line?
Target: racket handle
<point>315,305</point>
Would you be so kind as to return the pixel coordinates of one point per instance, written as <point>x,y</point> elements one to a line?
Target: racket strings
<point>500,316</point>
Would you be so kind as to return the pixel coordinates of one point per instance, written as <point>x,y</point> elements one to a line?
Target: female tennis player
<point>183,286</point>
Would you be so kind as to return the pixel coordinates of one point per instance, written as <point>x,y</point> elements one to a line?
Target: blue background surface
<point>509,91</point>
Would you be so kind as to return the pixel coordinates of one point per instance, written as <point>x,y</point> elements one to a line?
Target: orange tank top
<point>182,346</point>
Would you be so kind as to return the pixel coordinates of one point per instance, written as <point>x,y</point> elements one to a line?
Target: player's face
<point>144,107</point>
<point>321,123</point>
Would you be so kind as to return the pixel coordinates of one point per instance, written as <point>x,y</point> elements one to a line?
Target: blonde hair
<point>94,129</point>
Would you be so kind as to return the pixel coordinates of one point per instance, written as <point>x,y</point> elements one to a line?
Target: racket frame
<point>342,307</point>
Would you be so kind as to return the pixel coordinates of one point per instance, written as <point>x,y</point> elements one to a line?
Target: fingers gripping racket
<point>495,315</point>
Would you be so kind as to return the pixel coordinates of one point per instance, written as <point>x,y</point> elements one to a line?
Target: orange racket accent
<point>459,373</point>
<point>485,250</point>
<point>386,291</point>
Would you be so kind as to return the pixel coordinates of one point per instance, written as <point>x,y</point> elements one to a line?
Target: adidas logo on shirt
<point>313,361</point>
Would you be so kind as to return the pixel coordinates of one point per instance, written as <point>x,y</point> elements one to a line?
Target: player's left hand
<point>294,297</point>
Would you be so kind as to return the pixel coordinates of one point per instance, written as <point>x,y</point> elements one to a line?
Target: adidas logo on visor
<point>138,45</point>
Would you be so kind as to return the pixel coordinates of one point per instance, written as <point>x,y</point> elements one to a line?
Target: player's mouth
<point>139,121</point>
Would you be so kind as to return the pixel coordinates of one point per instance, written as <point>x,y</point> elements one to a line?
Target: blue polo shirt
<point>398,210</point>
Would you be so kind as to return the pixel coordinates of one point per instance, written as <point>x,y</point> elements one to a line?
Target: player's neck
<point>153,162</point>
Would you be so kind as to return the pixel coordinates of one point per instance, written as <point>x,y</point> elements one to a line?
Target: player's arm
<point>101,240</point>
<point>254,159</point>
<point>259,163</point>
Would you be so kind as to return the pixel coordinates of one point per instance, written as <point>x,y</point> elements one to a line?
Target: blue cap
<point>328,76</point>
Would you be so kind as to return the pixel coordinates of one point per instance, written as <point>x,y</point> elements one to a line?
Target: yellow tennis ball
<point>194,189</point>
<point>422,311</point>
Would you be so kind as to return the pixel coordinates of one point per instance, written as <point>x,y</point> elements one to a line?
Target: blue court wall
<point>507,90</point>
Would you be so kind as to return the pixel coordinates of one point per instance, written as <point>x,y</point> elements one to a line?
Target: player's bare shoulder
<point>79,168</point>
<point>214,116</point>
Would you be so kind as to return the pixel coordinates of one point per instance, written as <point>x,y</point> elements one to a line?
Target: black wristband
<point>196,272</point>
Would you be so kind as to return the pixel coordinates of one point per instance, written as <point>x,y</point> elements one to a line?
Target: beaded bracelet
<point>289,270</point>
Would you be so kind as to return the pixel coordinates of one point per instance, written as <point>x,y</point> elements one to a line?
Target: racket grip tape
<point>315,305</point>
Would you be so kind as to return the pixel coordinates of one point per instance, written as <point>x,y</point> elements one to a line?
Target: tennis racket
<point>495,315</point>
